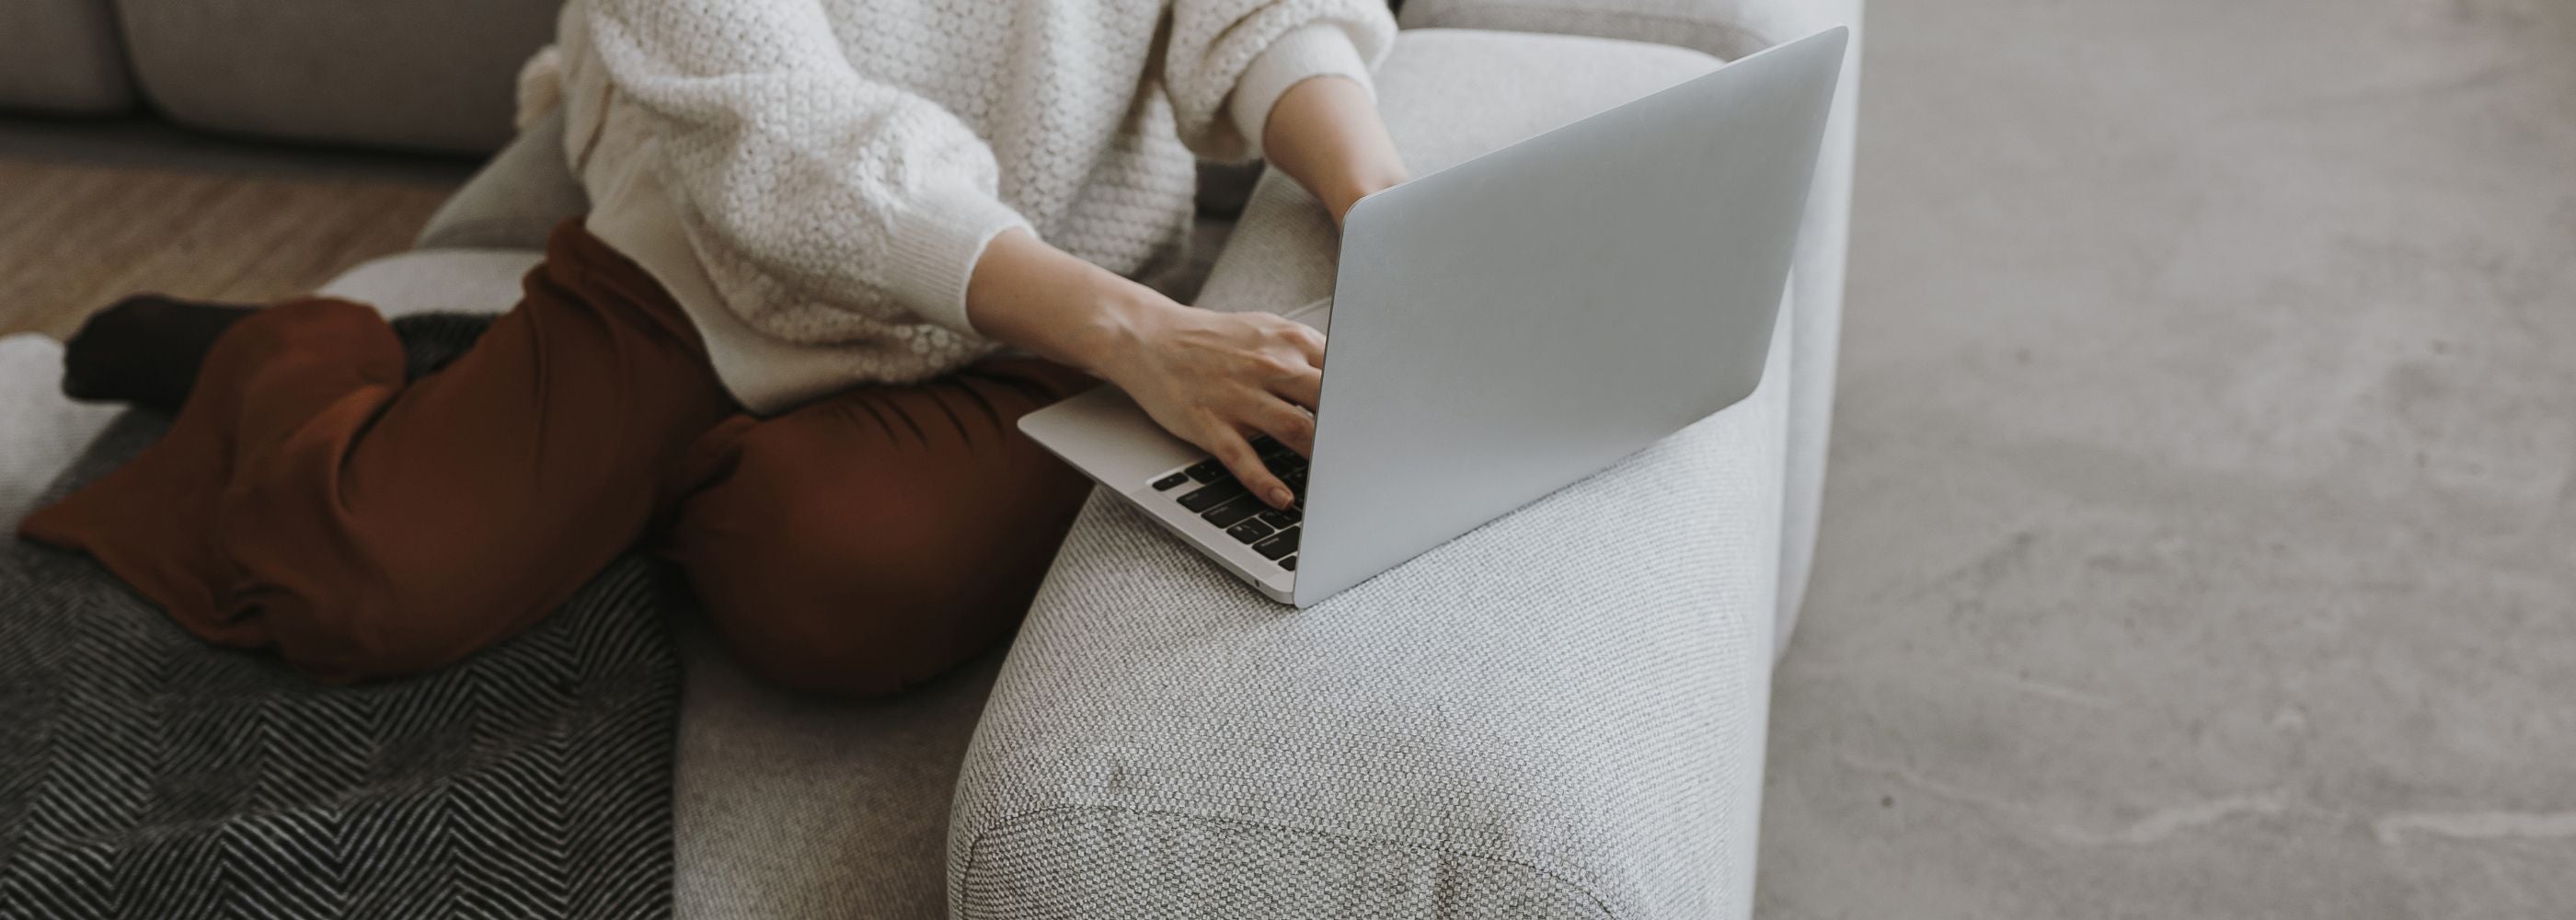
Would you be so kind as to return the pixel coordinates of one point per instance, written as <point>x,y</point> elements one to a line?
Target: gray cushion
<point>453,280</point>
<point>1558,714</point>
<point>62,56</point>
<point>41,430</point>
<point>793,806</point>
<point>395,73</point>
<point>1731,29</point>
<point>514,200</point>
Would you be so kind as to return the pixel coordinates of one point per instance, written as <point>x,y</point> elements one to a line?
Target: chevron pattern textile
<point>146,774</point>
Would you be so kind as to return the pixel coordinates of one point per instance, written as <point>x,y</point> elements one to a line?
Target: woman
<point>835,252</point>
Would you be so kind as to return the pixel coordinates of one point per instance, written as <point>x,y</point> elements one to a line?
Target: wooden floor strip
<point>76,236</point>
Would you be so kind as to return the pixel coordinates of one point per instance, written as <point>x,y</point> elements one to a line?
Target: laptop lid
<point>1512,324</point>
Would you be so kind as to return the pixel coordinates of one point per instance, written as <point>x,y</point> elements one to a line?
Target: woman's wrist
<point>1111,330</point>
<point>1027,293</point>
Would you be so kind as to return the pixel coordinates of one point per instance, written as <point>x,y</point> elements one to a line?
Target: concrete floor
<point>2200,536</point>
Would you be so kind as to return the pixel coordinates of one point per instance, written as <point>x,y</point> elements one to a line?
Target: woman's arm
<point>1210,378</point>
<point>1325,133</point>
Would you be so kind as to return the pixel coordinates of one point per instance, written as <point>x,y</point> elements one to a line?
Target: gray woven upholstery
<point>516,199</point>
<point>442,280</point>
<point>41,430</point>
<point>1559,714</point>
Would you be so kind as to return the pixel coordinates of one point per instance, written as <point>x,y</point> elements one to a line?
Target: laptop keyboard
<point>1206,489</point>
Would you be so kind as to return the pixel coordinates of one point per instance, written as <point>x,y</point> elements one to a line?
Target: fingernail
<point>1280,497</point>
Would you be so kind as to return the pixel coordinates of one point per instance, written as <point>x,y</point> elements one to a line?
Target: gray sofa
<point>1499,728</point>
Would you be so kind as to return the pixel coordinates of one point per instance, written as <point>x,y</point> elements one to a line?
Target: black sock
<point>145,350</point>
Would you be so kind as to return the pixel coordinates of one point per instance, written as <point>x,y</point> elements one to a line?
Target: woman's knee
<point>835,557</point>
<point>814,594</point>
<point>853,626</point>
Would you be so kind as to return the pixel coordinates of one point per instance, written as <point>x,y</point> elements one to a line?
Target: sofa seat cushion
<point>41,430</point>
<point>446,280</point>
<point>516,199</point>
<point>1558,714</point>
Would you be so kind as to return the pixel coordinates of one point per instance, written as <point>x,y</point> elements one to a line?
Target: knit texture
<point>835,167</point>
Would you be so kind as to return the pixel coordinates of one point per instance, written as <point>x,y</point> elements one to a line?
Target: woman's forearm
<point>1027,293</point>
<point>1325,133</point>
<point>1213,379</point>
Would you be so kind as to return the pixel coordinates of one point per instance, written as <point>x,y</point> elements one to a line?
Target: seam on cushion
<point>1755,41</point>
<point>975,849</point>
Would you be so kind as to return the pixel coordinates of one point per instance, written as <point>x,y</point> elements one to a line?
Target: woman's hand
<point>1216,379</point>
<point>1213,379</point>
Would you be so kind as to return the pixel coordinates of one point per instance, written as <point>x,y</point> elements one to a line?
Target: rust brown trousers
<point>306,499</point>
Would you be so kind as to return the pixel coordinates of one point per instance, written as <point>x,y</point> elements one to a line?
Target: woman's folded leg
<point>308,499</point>
<point>870,540</point>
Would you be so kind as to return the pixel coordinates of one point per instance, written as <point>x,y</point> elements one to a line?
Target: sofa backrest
<point>62,57</point>
<point>435,75</point>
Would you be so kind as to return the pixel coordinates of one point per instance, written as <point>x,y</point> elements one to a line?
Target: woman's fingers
<point>1232,450</point>
<point>1286,424</point>
<point>1304,338</point>
<point>1301,385</point>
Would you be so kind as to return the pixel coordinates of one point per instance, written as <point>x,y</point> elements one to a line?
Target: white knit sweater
<point>814,179</point>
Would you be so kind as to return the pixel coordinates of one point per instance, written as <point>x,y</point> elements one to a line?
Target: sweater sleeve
<point>1229,61</point>
<point>792,170</point>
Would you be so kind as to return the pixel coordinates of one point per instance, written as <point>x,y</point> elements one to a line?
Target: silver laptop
<point>1507,326</point>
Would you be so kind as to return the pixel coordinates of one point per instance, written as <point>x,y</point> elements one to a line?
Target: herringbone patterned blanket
<point>146,774</point>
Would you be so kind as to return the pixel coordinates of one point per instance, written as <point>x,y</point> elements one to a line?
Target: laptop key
<point>1205,470</point>
<point>1279,544</point>
<point>1250,530</point>
<point>1166,483</point>
<point>1289,563</point>
<point>1211,496</point>
<point>1233,512</point>
<point>1277,518</point>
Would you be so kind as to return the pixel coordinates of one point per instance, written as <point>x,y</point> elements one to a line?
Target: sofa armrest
<point>1731,29</point>
<point>1503,727</point>
<point>1560,714</point>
